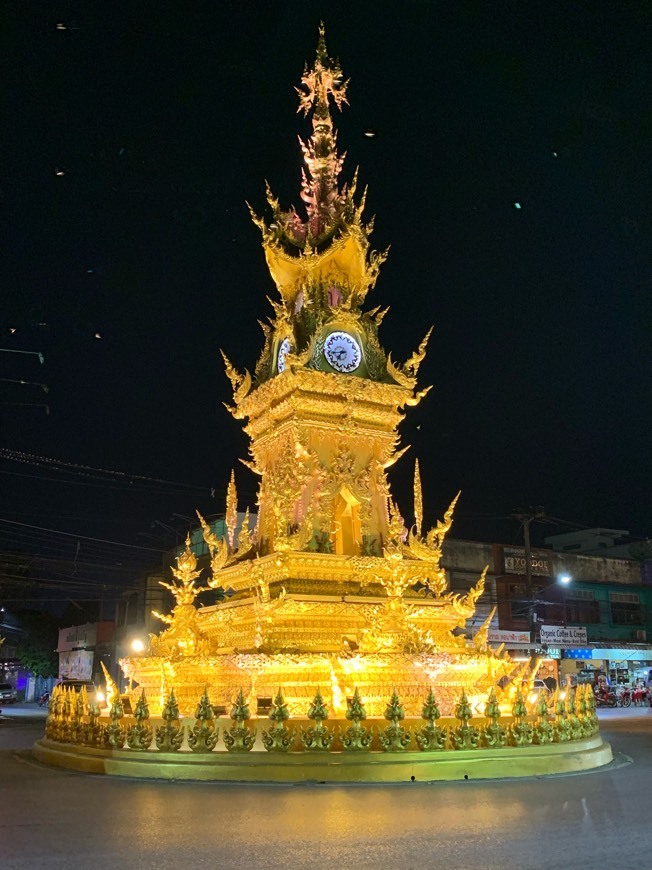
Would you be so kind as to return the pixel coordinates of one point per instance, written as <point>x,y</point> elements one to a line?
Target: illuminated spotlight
<point>61,26</point>
<point>59,172</point>
<point>12,330</point>
<point>565,579</point>
<point>370,134</point>
<point>98,335</point>
<point>137,645</point>
<point>517,205</point>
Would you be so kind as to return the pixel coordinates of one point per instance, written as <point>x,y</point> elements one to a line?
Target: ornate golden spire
<point>184,590</point>
<point>418,499</point>
<point>319,189</point>
<point>231,518</point>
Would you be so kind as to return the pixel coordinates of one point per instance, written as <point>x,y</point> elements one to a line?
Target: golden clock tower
<point>332,590</point>
<point>335,611</point>
<point>325,401</point>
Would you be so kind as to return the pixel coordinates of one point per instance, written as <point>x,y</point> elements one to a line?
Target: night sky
<point>509,172</point>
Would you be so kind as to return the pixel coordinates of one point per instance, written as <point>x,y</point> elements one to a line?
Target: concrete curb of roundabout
<point>328,767</point>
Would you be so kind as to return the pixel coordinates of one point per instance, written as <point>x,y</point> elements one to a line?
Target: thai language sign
<point>557,634</point>
<point>514,559</point>
<point>77,636</point>
<point>498,635</point>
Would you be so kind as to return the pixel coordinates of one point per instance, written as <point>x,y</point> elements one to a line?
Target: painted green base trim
<point>388,767</point>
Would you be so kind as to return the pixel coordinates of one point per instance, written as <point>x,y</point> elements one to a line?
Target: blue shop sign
<point>579,653</point>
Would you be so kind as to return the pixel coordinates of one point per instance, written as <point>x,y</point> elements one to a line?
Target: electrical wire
<point>29,458</point>
<point>82,537</point>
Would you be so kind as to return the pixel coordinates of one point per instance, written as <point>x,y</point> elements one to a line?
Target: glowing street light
<point>137,645</point>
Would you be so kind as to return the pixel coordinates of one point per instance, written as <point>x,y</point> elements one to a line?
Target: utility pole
<point>525,517</point>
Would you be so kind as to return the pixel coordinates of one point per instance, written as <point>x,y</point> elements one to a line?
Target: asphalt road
<point>53,819</point>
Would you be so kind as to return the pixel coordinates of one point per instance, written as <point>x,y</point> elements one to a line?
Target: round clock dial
<point>283,351</point>
<point>342,352</point>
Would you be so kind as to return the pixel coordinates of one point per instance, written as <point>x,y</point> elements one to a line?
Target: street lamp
<point>137,645</point>
<point>562,580</point>
<point>533,599</point>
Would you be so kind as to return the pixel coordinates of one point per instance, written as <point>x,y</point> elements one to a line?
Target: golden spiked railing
<point>74,719</point>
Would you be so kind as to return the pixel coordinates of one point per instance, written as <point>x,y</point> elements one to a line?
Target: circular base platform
<point>304,767</point>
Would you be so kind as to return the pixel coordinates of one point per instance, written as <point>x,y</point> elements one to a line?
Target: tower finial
<point>322,54</point>
<point>319,186</point>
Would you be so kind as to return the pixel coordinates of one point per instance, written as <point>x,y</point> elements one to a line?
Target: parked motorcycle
<point>44,699</point>
<point>625,698</point>
<point>605,698</point>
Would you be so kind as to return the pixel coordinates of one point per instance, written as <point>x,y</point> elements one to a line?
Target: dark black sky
<point>165,117</point>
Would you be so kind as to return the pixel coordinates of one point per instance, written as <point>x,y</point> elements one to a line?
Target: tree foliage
<point>36,643</point>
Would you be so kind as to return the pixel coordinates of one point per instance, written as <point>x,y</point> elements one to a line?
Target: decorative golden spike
<point>396,456</point>
<point>204,735</point>
<point>252,467</point>
<point>411,367</point>
<point>185,590</point>
<point>394,738</point>
<point>169,736</point>
<point>219,551</point>
<point>437,534</point>
<point>279,738</point>
<point>317,738</point>
<point>356,738</point>
<point>398,374</point>
<point>481,637</point>
<point>115,733</point>
<point>240,738</point>
<point>465,607</point>
<point>231,511</point>
<point>465,736</point>
<point>241,383</point>
<point>111,689</point>
<point>493,733</point>
<point>416,398</point>
<point>244,538</point>
<point>418,498</point>
<point>520,731</point>
<point>431,737</point>
<point>140,734</point>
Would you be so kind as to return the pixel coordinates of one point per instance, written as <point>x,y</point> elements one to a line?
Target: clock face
<point>342,352</point>
<point>283,351</point>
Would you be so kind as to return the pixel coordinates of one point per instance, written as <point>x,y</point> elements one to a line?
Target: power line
<point>99,484</point>
<point>59,465</point>
<point>82,537</point>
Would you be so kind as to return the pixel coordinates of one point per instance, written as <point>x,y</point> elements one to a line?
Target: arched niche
<point>347,531</point>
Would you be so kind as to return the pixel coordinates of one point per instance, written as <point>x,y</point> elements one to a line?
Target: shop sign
<point>582,655</point>
<point>623,655</point>
<point>557,634</point>
<point>76,665</point>
<point>77,636</point>
<point>498,635</point>
<point>553,652</point>
<point>514,561</point>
